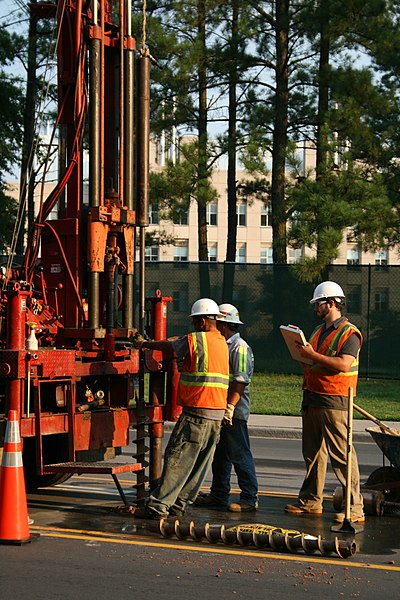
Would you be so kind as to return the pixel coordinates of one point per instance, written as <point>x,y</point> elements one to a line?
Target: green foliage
<point>322,209</point>
<point>8,209</point>
<point>11,110</point>
<point>273,394</point>
<point>11,106</point>
<point>174,188</point>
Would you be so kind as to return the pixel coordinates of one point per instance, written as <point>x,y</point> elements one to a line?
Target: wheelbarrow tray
<point>388,443</point>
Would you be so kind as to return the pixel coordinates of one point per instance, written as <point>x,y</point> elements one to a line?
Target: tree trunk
<point>27,174</point>
<point>279,141</point>
<point>202,154</point>
<point>323,99</point>
<point>229,267</point>
<point>323,96</point>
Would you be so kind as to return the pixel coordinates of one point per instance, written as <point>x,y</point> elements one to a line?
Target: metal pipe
<point>62,163</point>
<point>143,137</point>
<point>94,165</point>
<point>129,145</point>
<point>142,280</point>
<point>142,144</point>
<point>121,98</point>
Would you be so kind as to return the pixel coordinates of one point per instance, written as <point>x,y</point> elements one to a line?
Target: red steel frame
<point>77,353</point>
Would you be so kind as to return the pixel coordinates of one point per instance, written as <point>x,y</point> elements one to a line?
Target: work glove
<point>137,341</point>
<point>227,419</point>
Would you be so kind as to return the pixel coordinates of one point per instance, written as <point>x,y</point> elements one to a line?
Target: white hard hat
<point>327,289</point>
<point>229,314</point>
<point>205,307</point>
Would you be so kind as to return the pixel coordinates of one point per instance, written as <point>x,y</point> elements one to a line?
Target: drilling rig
<point>68,310</point>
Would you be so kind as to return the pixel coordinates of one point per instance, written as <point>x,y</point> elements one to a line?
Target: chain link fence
<point>269,295</point>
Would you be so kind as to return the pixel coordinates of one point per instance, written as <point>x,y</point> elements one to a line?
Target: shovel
<point>383,427</point>
<point>347,526</point>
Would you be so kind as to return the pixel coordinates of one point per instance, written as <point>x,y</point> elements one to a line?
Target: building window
<point>212,213</point>
<point>241,253</point>
<point>382,300</point>
<point>152,253</point>
<point>180,216</point>
<point>153,214</point>
<point>241,209</point>
<point>181,252</point>
<point>266,214</point>
<point>381,259</point>
<point>266,255</point>
<point>353,299</point>
<point>353,257</point>
<point>294,255</point>
<point>213,252</point>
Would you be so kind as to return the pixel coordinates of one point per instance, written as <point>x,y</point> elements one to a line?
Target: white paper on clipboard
<point>292,335</point>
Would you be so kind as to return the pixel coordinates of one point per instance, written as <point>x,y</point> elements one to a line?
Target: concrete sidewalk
<point>290,427</point>
<point>275,426</point>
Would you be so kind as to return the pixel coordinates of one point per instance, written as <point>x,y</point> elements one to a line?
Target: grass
<point>274,394</point>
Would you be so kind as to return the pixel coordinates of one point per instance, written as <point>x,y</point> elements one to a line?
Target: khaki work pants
<point>325,434</point>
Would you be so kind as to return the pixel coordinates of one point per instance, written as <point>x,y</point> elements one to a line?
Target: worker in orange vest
<point>333,353</point>
<point>202,392</point>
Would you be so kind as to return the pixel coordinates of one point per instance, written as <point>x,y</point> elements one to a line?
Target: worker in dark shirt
<point>333,350</point>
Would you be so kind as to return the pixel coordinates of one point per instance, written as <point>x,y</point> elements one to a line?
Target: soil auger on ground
<point>258,535</point>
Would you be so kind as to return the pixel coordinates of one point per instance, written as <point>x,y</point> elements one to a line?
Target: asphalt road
<point>88,550</point>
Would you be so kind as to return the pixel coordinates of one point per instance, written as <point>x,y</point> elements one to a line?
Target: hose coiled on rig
<point>260,536</point>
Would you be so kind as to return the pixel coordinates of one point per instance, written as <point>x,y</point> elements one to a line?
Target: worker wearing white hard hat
<point>229,314</point>
<point>330,368</point>
<point>233,448</point>
<point>202,393</point>
<point>205,307</point>
<point>328,289</point>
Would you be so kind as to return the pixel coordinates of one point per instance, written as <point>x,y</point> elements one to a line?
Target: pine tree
<point>11,104</point>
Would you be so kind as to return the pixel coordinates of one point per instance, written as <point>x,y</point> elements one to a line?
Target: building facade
<point>254,234</point>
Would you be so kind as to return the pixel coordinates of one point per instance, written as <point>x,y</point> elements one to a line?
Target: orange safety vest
<point>204,376</point>
<point>320,380</point>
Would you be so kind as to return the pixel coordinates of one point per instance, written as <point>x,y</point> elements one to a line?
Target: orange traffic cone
<point>14,528</point>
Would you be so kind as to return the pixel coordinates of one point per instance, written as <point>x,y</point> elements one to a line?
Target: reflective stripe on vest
<point>201,376</point>
<point>242,362</point>
<point>321,380</point>
<point>205,371</point>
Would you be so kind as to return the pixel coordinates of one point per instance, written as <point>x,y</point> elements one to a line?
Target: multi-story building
<point>254,230</point>
<point>254,234</point>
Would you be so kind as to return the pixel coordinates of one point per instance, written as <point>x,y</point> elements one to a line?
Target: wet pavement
<point>75,506</point>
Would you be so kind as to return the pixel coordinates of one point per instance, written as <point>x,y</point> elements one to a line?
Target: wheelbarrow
<point>381,491</point>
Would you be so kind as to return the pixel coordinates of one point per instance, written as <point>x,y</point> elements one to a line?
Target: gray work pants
<point>187,459</point>
<point>325,434</point>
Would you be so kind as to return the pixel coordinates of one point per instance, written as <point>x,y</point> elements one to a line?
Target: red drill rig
<point>68,311</point>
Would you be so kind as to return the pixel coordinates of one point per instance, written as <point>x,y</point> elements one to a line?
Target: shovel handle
<point>375,420</point>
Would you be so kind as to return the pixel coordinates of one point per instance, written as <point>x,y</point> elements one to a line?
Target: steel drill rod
<point>273,539</point>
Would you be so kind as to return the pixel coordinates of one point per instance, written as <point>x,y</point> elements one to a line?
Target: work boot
<point>242,506</point>
<point>339,518</point>
<point>208,501</point>
<point>176,512</point>
<point>297,509</point>
<point>148,513</point>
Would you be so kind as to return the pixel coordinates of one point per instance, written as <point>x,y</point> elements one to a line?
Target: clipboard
<point>291,335</point>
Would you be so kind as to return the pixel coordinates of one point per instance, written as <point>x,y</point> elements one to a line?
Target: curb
<point>296,434</point>
<point>293,433</point>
